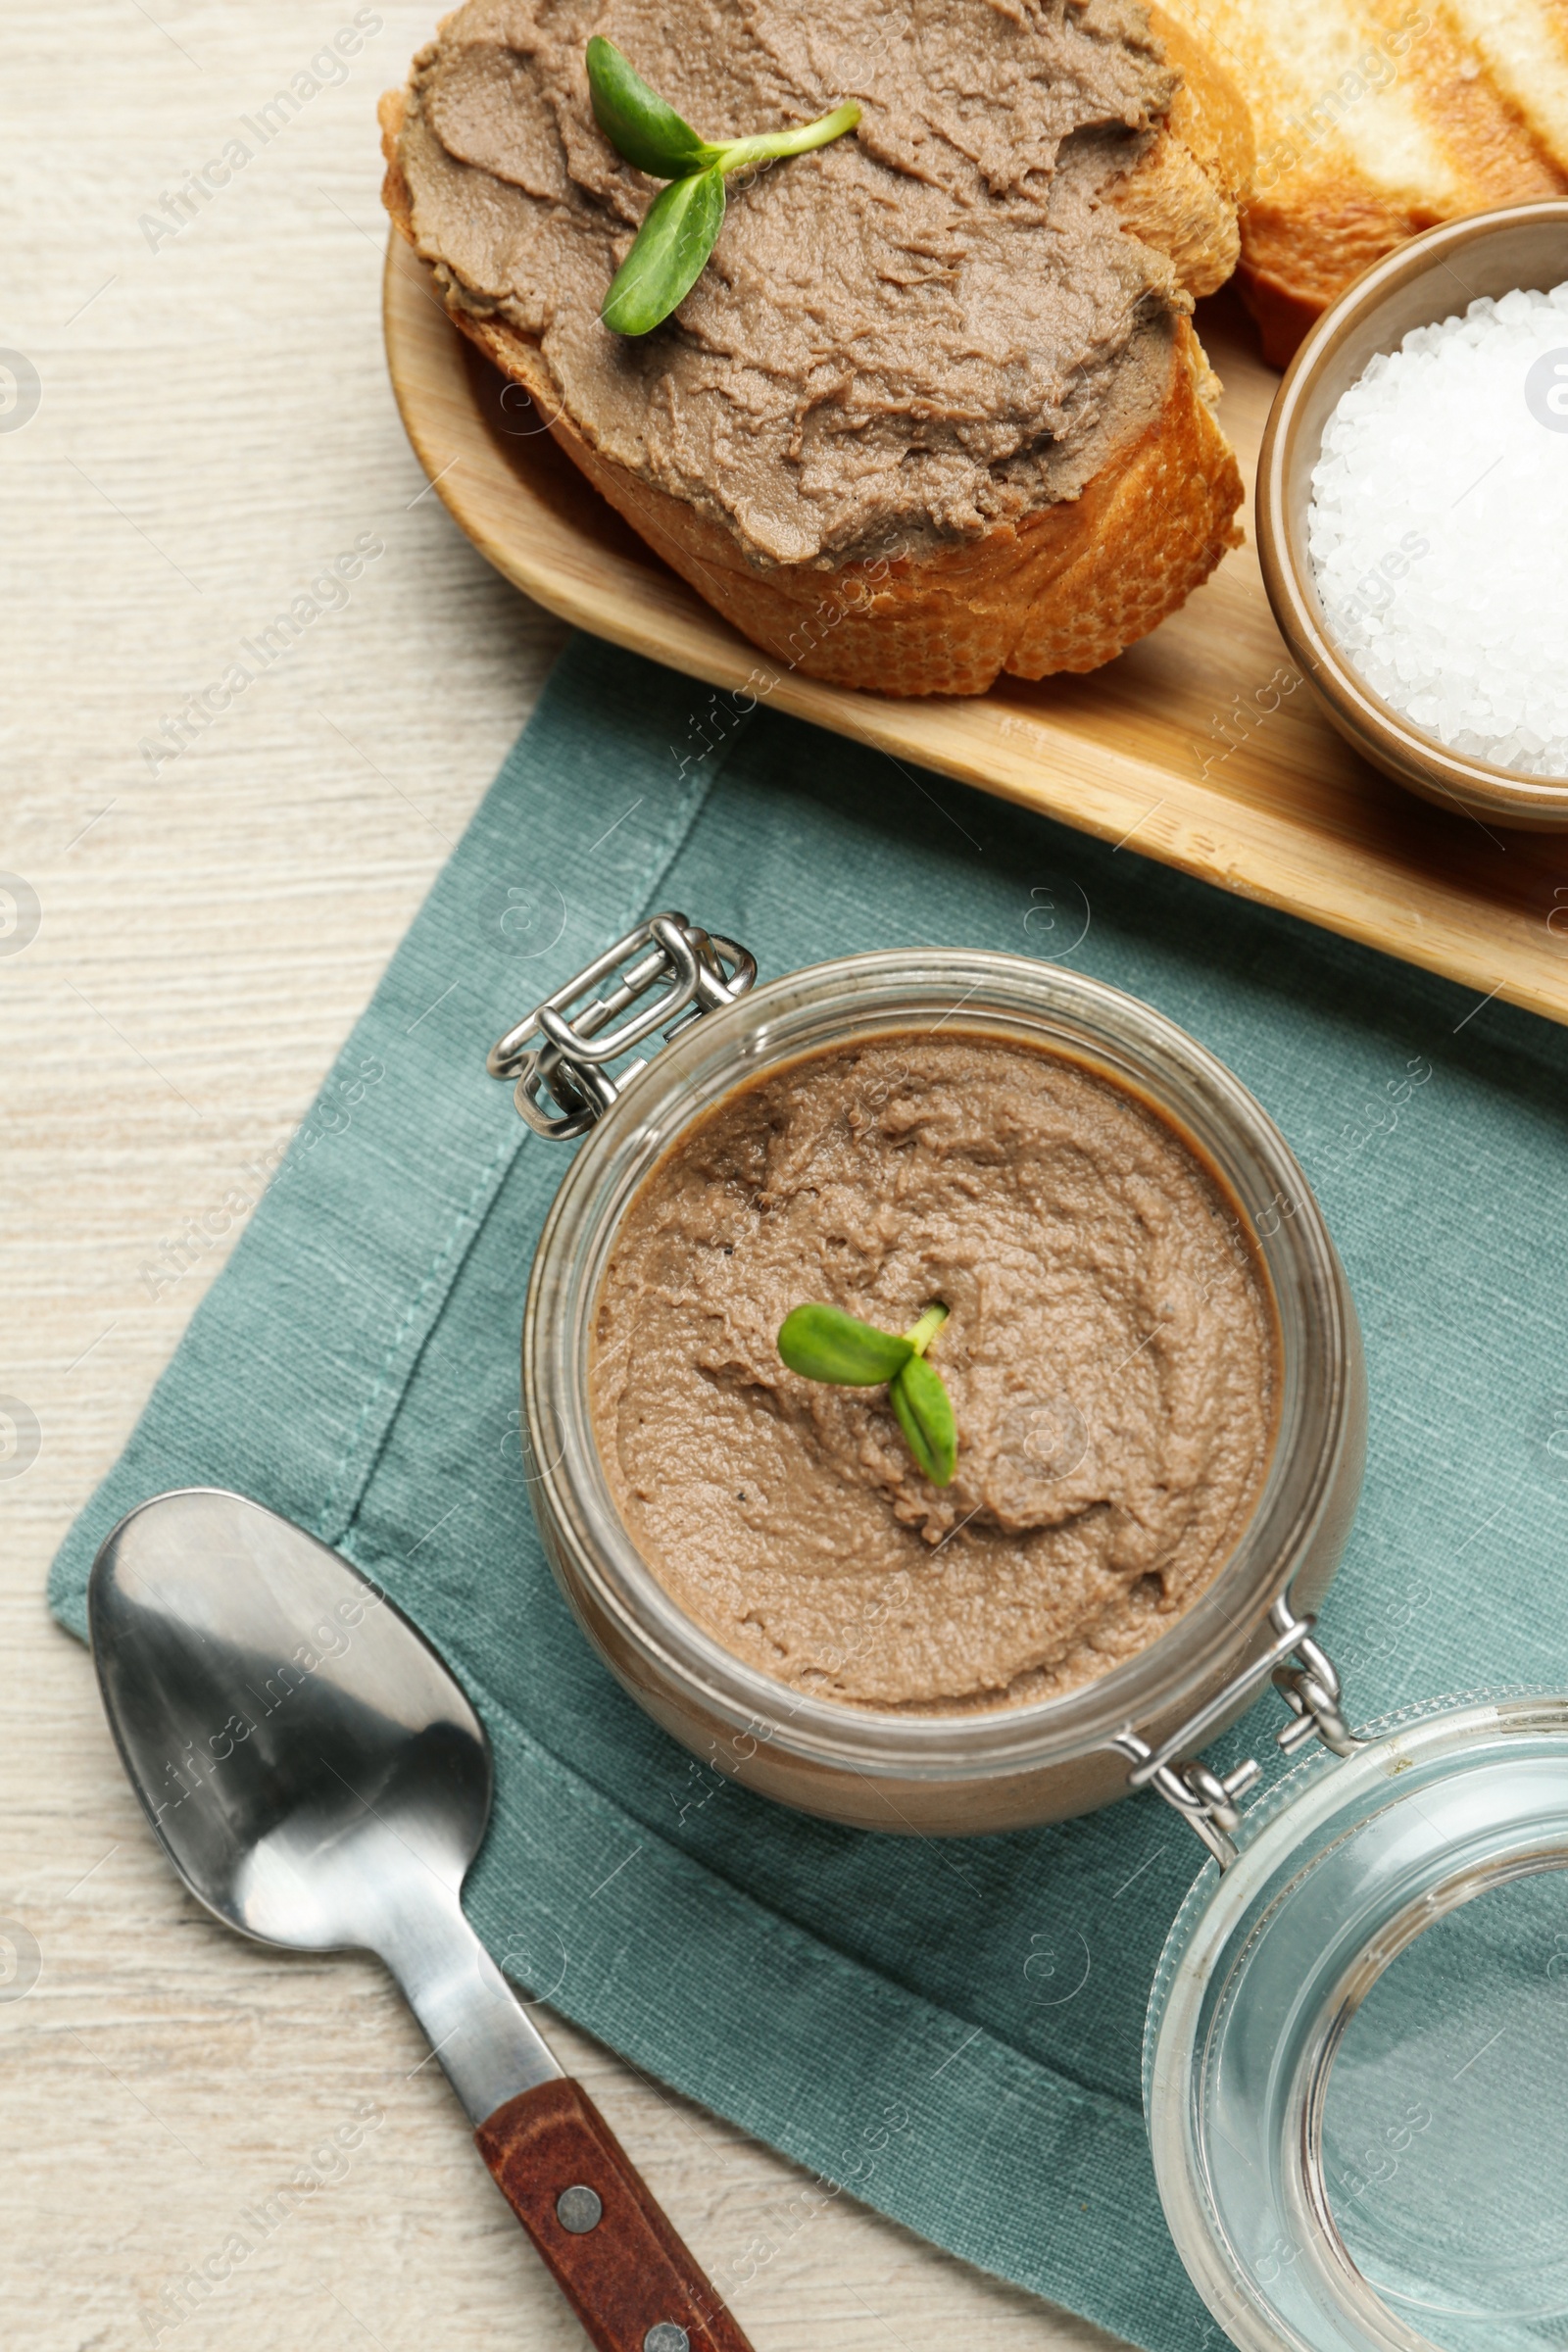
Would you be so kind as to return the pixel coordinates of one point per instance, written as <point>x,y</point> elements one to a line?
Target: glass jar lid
<point>1355,2066</point>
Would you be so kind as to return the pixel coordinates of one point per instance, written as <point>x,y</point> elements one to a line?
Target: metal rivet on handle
<point>578,2210</point>
<point>665,2336</point>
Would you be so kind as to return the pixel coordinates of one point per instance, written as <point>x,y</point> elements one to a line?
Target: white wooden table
<point>190,941</point>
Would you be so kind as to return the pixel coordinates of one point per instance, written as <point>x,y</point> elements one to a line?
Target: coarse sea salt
<point>1439,530</point>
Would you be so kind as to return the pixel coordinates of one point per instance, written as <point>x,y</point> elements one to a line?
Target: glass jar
<point>934,1774</point>
<point>1355,2066</point>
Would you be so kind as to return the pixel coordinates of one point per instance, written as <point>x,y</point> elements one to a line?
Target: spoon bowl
<point>318,1779</point>
<point>286,1727</point>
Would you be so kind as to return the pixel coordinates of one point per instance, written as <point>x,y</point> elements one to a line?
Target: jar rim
<point>890,990</point>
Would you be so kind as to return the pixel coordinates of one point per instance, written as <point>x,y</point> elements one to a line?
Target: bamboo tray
<point>1194,746</point>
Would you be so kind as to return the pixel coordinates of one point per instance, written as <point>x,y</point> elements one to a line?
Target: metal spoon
<point>318,1779</point>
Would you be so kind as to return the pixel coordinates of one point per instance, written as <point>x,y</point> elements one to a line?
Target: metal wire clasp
<point>1306,1677</point>
<point>695,972</point>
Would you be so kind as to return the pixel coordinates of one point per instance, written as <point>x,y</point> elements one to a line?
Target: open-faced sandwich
<point>933,406</point>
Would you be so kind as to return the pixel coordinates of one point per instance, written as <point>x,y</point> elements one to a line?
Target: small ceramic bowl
<point>1430,278</point>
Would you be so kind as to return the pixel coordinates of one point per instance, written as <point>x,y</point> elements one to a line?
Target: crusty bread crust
<point>1068,587</point>
<point>1296,260</point>
<point>1182,196</point>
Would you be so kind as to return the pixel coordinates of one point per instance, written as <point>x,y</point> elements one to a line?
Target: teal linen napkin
<point>949,2031</point>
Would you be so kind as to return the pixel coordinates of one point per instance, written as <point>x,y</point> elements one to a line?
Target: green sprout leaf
<point>678,230</point>
<point>667,254</point>
<point>920,1397</point>
<point>823,1343</point>
<point>636,120</point>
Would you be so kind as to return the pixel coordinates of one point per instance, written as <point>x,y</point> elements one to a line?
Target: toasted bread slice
<point>1376,118</point>
<point>1070,586</point>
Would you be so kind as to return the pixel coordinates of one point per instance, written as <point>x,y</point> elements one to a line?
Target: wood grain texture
<point>625,2272</point>
<point>1202,746</point>
<point>207,2142</point>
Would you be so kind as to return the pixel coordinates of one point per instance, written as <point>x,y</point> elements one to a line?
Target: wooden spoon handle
<point>615,2256</point>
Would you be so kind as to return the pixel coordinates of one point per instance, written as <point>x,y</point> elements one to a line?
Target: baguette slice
<point>1070,586</point>
<point>1376,118</point>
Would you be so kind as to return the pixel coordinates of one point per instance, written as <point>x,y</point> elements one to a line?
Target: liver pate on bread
<point>935,409</point>
<point>1376,118</point>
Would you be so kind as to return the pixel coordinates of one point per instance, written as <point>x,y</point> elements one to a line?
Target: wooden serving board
<point>1200,747</point>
